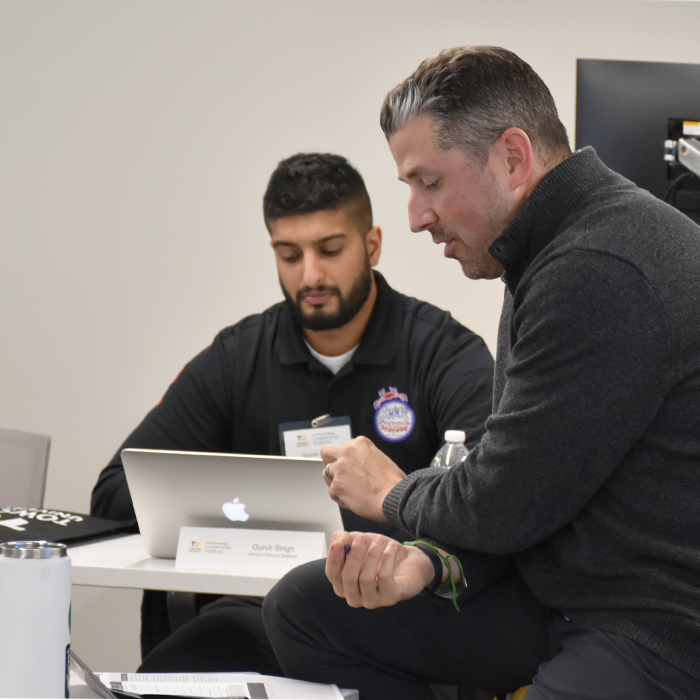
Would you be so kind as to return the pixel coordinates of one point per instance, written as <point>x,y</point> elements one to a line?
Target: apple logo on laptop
<point>235,510</point>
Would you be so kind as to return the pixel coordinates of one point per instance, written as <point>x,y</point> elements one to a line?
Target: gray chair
<point>24,458</point>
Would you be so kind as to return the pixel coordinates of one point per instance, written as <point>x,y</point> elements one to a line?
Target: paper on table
<point>276,688</point>
<point>237,691</point>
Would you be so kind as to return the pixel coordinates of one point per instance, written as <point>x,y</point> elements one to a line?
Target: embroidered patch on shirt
<point>394,419</point>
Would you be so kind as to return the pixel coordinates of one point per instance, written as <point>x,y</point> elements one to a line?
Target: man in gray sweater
<point>589,471</point>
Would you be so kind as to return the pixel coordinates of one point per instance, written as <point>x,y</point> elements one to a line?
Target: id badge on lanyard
<point>306,438</point>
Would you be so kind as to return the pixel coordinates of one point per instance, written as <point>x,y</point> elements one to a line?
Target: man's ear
<point>515,158</point>
<point>373,241</point>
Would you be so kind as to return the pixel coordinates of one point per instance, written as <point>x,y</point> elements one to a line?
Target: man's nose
<point>420,215</point>
<point>313,270</point>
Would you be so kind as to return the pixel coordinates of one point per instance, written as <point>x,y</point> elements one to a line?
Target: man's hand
<point>377,572</point>
<point>359,476</point>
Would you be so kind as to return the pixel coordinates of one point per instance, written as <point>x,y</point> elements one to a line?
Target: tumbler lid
<point>37,549</point>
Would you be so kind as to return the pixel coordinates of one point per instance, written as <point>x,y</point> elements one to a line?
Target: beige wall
<point>136,138</point>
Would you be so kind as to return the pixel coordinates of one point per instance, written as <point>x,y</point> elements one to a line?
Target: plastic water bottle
<point>453,452</point>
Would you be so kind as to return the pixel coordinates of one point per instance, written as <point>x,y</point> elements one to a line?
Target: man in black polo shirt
<point>343,343</point>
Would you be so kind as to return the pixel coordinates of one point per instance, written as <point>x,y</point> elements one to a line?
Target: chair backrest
<point>24,458</point>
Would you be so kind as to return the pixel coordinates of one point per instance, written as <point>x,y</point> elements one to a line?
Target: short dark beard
<point>349,306</point>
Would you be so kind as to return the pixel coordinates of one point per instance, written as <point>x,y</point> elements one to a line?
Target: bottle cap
<point>455,436</point>
<point>39,549</point>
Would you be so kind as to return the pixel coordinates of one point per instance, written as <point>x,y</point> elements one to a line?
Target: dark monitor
<point>623,110</point>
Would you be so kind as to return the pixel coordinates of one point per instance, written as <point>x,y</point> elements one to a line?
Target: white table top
<point>123,562</point>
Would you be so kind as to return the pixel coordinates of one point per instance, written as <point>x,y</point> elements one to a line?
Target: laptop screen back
<point>201,489</point>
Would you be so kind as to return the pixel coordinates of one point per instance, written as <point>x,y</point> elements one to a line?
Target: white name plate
<point>267,552</point>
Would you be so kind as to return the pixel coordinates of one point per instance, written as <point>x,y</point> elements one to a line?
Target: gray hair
<point>474,94</point>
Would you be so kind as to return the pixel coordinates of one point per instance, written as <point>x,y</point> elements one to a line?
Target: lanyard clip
<point>321,420</point>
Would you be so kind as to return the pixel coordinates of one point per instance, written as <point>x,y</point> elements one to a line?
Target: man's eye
<point>331,252</point>
<point>290,257</point>
<point>432,185</point>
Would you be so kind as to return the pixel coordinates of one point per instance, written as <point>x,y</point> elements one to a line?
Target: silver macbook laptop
<point>203,489</point>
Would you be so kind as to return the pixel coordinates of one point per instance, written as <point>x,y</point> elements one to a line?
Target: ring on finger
<point>327,472</point>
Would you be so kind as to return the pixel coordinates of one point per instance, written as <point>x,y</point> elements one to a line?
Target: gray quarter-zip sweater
<point>589,471</point>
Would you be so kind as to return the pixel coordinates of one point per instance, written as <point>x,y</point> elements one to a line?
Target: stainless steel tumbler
<point>35,597</point>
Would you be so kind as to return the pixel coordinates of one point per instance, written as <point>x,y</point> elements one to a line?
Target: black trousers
<point>226,635</point>
<point>502,639</point>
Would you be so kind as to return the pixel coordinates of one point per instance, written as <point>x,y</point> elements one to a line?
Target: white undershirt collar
<point>335,363</point>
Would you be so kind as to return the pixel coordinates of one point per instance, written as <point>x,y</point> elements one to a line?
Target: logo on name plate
<point>394,419</point>
<point>234,510</point>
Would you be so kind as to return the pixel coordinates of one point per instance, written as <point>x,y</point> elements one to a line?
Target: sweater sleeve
<point>194,415</point>
<point>588,370</point>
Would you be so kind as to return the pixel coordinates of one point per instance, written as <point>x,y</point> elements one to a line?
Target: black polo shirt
<point>416,373</point>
